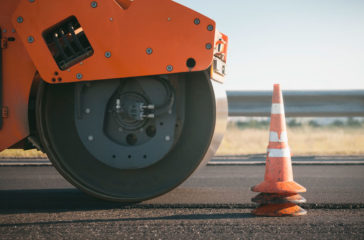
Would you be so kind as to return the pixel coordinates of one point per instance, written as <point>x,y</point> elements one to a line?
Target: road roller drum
<point>126,98</point>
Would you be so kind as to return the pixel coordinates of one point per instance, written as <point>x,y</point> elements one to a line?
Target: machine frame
<point>128,38</point>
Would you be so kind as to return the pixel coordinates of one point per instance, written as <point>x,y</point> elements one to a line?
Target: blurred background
<point>310,44</point>
<point>303,45</point>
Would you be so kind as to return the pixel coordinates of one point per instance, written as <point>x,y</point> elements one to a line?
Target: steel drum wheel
<point>60,140</point>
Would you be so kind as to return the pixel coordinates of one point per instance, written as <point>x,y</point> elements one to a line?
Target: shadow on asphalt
<point>57,200</point>
<point>215,216</point>
<point>62,200</point>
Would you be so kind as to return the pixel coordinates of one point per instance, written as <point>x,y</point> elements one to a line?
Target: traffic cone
<point>279,192</point>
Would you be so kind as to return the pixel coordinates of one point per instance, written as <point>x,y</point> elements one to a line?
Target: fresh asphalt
<point>36,202</point>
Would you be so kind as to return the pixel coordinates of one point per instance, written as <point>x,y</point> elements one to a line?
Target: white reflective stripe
<point>285,152</point>
<point>277,108</point>
<point>273,137</point>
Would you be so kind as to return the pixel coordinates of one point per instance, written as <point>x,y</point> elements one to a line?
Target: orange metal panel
<point>163,25</point>
<point>18,72</point>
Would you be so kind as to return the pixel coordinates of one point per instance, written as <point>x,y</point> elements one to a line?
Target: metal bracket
<point>4,112</point>
<point>3,43</point>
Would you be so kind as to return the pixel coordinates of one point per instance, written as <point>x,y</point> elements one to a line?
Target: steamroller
<point>125,97</point>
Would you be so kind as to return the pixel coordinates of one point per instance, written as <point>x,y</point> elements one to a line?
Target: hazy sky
<point>302,44</point>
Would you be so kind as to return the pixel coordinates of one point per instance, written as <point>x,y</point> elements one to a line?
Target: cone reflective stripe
<point>279,153</point>
<point>281,138</point>
<point>278,188</point>
<point>277,108</point>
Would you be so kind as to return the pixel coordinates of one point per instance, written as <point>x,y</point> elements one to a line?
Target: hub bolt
<point>93,4</point>
<point>30,39</point>
<point>20,19</point>
<point>149,51</point>
<point>169,68</point>
<point>131,139</point>
<point>107,54</point>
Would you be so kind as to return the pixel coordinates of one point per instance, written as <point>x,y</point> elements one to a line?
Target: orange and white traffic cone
<point>279,192</point>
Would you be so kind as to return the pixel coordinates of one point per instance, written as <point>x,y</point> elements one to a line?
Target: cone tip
<point>277,94</point>
<point>277,87</point>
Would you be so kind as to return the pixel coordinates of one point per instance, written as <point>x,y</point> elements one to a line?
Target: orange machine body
<point>128,38</point>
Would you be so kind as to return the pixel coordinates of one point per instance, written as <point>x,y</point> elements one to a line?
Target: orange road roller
<point>125,97</point>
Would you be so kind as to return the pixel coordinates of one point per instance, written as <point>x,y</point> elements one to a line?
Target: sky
<point>301,44</point>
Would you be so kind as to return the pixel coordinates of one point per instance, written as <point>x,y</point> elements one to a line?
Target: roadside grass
<point>18,153</point>
<point>303,140</point>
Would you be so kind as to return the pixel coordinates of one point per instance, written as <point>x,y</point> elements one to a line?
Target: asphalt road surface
<point>37,203</point>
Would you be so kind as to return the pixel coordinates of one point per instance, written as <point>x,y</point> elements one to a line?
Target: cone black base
<point>279,210</point>
<point>279,205</point>
<point>273,198</point>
